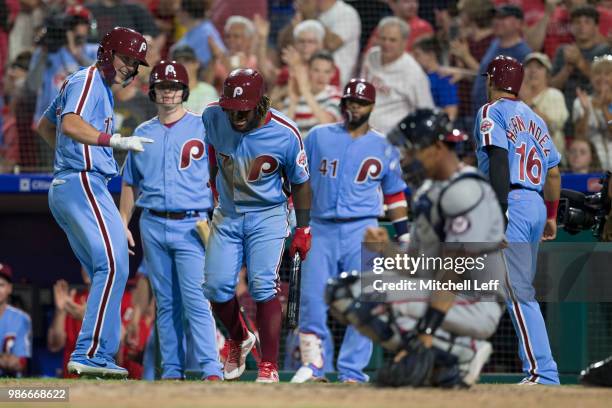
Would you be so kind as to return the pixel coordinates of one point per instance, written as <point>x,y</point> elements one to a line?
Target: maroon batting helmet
<point>359,88</point>
<point>124,41</point>
<point>506,74</point>
<point>242,90</point>
<point>170,71</point>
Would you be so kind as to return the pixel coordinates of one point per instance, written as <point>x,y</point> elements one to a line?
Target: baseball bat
<point>293,302</point>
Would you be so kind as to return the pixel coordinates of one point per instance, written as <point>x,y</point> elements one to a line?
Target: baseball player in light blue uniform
<point>516,151</point>
<point>170,182</point>
<point>257,152</point>
<point>353,167</point>
<point>15,330</point>
<point>79,199</point>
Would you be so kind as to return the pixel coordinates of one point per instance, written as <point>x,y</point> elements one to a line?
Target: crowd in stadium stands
<point>416,55</point>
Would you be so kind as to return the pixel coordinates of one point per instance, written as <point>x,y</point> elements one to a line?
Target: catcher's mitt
<point>413,368</point>
<point>598,374</point>
<point>419,366</point>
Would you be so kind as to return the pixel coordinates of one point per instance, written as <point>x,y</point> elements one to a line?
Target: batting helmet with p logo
<point>242,90</point>
<point>168,71</point>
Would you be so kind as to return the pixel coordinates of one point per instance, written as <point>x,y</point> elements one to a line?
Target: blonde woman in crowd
<point>546,101</point>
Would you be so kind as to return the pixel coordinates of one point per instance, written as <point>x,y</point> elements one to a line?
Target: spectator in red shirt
<point>548,22</point>
<point>408,11</point>
<point>69,312</point>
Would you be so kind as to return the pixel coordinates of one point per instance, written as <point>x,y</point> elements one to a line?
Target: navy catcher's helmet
<point>417,131</point>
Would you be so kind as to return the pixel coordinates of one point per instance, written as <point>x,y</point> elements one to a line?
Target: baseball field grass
<point>187,394</point>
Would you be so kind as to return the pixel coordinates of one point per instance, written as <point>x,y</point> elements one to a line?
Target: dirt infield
<point>137,394</point>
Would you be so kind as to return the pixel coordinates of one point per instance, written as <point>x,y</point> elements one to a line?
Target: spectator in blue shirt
<point>427,53</point>
<point>508,31</point>
<point>200,30</point>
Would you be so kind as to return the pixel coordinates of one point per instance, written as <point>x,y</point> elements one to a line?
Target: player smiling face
<point>125,67</point>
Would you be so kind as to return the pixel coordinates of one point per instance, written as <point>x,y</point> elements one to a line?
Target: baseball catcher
<point>439,338</point>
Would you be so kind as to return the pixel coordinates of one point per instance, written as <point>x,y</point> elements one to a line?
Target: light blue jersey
<point>172,174</point>
<point>512,125</point>
<point>348,175</point>
<point>253,166</point>
<point>15,333</point>
<point>86,94</point>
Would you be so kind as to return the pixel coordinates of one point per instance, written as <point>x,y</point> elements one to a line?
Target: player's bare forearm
<point>552,187</point>
<point>46,130</point>
<point>76,128</point>
<point>126,202</point>
<point>302,199</point>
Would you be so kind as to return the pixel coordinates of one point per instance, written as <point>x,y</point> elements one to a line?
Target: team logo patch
<point>486,126</point>
<point>459,225</point>
<point>170,70</point>
<point>238,91</point>
<point>360,88</point>
<point>143,47</point>
<point>301,159</point>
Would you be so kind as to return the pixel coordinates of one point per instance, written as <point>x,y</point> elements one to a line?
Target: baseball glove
<point>412,368</point>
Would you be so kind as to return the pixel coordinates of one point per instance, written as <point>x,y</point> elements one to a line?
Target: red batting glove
<point>301,242</point>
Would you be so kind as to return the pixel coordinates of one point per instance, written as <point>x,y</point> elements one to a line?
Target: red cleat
<point>268,373</point>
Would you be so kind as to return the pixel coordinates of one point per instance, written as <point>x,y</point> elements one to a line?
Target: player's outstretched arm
<point>552,193</point>
<point>46,129</point>
<point>75,127</point>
